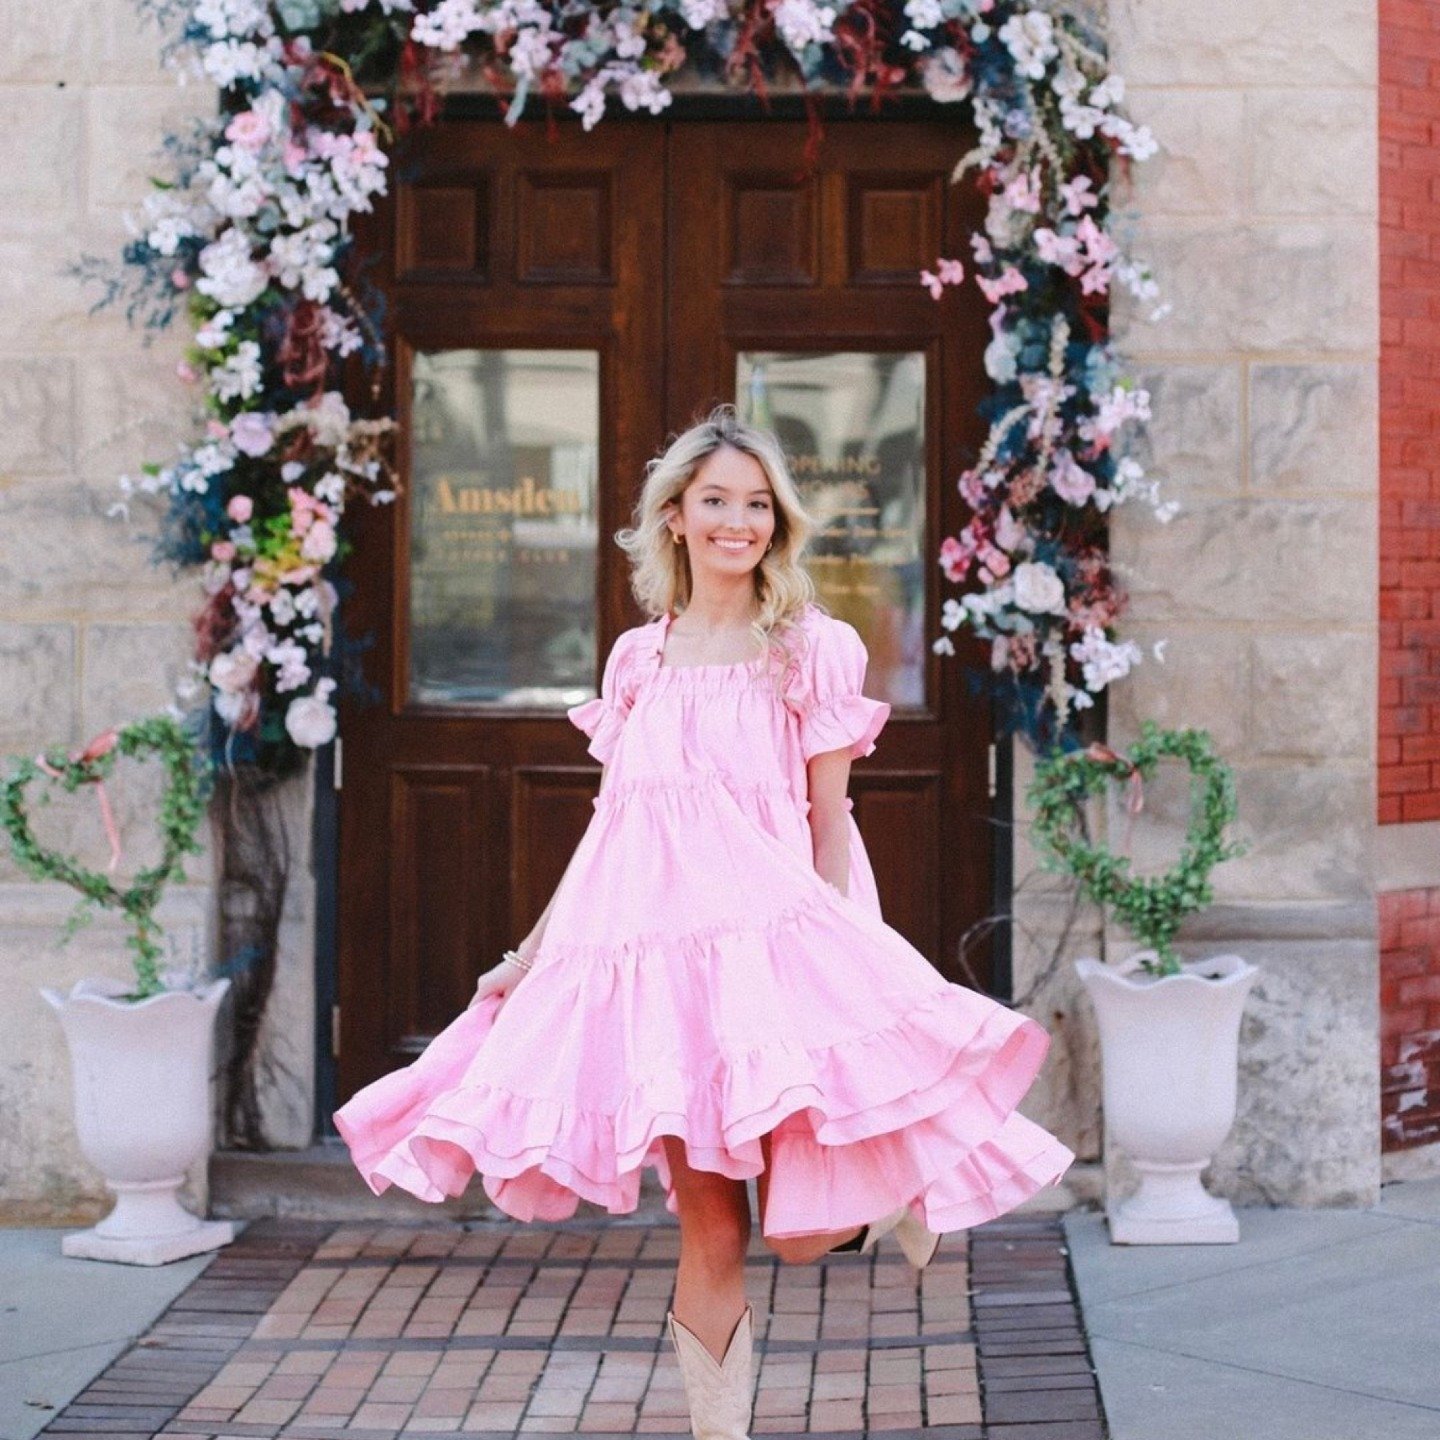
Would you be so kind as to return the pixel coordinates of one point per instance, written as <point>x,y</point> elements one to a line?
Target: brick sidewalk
<point>372,1333</point>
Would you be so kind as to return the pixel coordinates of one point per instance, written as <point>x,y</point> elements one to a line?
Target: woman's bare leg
<point>714,1236</point>
<point>797,1249</point>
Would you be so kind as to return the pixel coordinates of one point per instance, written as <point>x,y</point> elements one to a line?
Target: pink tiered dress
<point>697,977</point>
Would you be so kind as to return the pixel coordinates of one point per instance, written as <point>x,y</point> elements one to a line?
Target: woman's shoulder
<point>825,628</point>
<point>632,646</point>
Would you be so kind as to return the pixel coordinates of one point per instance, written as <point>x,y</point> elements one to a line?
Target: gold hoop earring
<point>675,537</point>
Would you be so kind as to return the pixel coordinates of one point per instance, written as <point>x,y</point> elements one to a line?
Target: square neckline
<point>662,668</point>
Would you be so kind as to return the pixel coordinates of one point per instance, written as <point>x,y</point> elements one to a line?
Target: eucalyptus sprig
<point>1150,907</point>
<point>182,808</point>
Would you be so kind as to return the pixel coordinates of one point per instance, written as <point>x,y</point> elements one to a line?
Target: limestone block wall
<point>91,634</point>
<point>1262,220</point>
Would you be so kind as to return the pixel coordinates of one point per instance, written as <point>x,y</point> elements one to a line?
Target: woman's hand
<point>499,980</point>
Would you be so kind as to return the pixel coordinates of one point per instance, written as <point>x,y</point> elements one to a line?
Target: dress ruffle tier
<point>672,994</point>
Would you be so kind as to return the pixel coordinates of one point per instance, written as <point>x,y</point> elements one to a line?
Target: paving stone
<point>375,1332</point>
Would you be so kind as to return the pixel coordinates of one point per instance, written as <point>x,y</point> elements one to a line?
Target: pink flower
<point>1061,250</point>
<point>251,433</point>
<point>1009,533</point>
<point>1100,249</point>
<point>1023,192</point>
<point>249,130</point>
<point>996,562</point>
<point>294,156</point>
<point>1069,481</point>
<point>1006,283</point>
<point>222,550</point>
<point>953,559</point>
<point>240,508</point>
<point>216,429</point>
<point>1078,195</point>
<point>186,371</point>
<point>179,279</point>
<point>951,272</point>
<point>319,543</point>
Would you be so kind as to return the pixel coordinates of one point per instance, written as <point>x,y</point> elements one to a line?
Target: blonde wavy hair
<point>660,576</point>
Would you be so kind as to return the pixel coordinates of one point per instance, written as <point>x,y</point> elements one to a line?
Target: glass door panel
<point>853,427</point>
<point>504,468</point>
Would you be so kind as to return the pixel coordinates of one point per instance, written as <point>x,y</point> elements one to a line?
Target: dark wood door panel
<point>550,807</point>
<point>899,817</point>
<point>441,857</point>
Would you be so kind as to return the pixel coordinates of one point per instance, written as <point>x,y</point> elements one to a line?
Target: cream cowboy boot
<point>718,1393</point>
<point>918,1243</point>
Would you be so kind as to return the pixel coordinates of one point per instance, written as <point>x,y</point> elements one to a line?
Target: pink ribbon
<point>1134,785</point>
<point>101,745</point>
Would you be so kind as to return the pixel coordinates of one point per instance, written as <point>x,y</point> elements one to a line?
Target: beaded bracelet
<point>518,959</point>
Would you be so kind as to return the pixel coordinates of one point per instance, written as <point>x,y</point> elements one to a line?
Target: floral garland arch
<point>249,237</point>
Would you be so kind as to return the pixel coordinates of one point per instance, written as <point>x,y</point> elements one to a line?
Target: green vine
<point>182,807</point>
<point>1150,907</point>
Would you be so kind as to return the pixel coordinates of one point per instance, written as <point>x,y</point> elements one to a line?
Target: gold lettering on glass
<point>504,459</point>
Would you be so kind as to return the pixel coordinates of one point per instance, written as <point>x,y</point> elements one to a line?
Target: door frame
<point>700,104</point>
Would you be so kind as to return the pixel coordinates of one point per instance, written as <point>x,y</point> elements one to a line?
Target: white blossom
<point>213,333</point>
<point>448,25</point>
<point>1102,661</point>
<point>803,22</point>
<point>943,74</point>
<point>700,13</point>
<point>228,274</point>
<point>240,19</point>
<point>310,720</point>
<point>238,377</point>
<point>1030,38</point>
<point>1039,589</point>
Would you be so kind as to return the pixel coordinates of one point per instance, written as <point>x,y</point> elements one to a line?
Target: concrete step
<point>320,1183</point>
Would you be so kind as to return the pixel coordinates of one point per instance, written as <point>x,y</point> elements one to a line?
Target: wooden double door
<point>556,307</point>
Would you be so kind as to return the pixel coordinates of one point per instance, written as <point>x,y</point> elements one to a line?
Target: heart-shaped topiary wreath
<point>1150,907</point>
<point>182,807</point>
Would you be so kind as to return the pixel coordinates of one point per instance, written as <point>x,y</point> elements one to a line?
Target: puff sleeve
<point>835,715</point>
<point>603,719</point>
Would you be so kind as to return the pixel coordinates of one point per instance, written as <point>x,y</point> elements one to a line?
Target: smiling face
<point>726,515</point>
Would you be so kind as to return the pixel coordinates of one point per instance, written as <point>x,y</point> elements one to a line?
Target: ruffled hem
<point>851,721</point>
<point>919,1112</point>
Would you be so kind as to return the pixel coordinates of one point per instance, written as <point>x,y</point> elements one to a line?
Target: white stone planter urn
<point>1169,1048</point>
<point>142,1114</point>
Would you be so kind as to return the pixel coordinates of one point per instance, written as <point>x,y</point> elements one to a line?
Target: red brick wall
<point>1410,1018</point>
<point>1409,779</point>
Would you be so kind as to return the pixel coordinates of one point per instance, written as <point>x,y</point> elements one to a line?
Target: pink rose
<point>955,558</point>
<point>996,561</point>
<point>248,130</point>
<point>240,508</point>
<point>1069,481</point>
<point>319,542</point>
<point>222,550</point>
